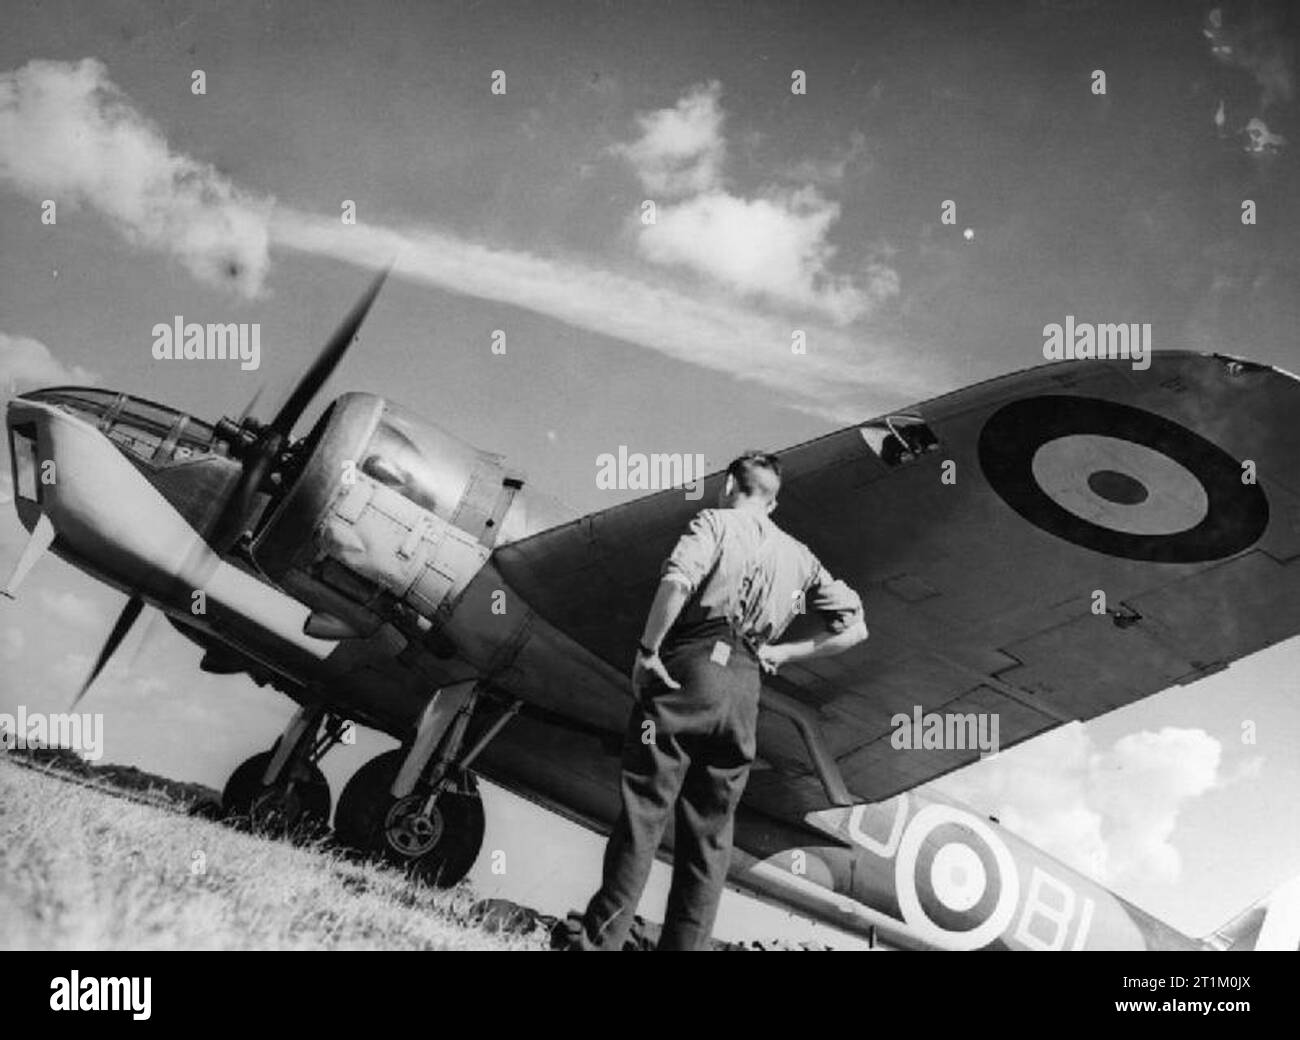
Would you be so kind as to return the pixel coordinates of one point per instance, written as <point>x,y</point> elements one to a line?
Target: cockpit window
<point>147,415</point>
<point>141,428</point>
<point>899,438</point>
<point>150,431</point>
<point>193,437</point>
<point>90,402</point>
<point>22,446</point>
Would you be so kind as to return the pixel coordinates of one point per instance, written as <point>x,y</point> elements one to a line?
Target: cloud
<point>773,244</point>
<point>1039,791</point>
<point>65,129</point>
<point>70,609</point>
<point>841,377</point>
<point>1139,786</point>
<point>1111,814</point>
<point>26,363</point>
<point>681,149</point>
<point>68,134</point>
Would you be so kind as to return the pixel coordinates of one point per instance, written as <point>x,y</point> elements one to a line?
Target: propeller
<point>259,447</point>
<point>120,628</point>
<point>332,353</point>
<point>252,404</point>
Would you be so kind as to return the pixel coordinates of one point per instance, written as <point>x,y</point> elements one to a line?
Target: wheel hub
<point>408,831</point>
<point>276,809</point>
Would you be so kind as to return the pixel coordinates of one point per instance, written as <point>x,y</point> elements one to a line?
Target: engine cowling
<point>389,519</point>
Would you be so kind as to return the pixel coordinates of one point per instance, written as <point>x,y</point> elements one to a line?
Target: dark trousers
<point>686,752</point>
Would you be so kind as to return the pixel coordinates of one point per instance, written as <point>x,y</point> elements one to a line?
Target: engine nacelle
<point>389,519</point>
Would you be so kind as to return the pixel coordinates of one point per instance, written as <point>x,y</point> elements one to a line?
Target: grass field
<point>82,869</point>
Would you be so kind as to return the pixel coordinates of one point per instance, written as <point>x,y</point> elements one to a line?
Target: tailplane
<point>1271,924</point>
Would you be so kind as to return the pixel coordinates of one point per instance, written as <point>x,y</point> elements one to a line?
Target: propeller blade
<point>120,628</point>
<point>332,353</point>
<point>147,631</point>
<point>248,408</point>
<point>238,506</point>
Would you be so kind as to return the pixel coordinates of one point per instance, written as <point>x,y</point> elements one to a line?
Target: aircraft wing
<point>982,529</point>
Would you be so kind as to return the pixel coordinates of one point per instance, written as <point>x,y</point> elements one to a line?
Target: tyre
<point>439,850</point>
<point>299,807</point>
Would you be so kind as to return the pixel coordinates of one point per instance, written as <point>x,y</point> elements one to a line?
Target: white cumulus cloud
<point>773,244</point>
<point>1110,813</point>
<point>681,149</point>
<point>27,363</point>
<point>1139,786</point>
<point>68,134</point>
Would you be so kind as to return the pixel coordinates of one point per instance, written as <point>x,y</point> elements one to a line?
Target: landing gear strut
<point>282,792</point>
<point>419,807</point>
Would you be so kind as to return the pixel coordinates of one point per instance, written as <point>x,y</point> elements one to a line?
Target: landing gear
<point>282,792</point>
<point>439,846</point>
<point>419,807</point>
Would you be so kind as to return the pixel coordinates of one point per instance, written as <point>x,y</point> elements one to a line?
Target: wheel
<point>299,807</point>
<point>439,849</point>
<point>206,808</point>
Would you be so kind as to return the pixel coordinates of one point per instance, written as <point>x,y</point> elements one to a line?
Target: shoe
<point>569,933</point>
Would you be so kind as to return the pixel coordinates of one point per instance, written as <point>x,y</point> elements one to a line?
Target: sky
<point>776,211</point>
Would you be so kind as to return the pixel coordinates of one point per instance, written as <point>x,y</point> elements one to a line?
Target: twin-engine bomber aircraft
<point>383,571</point>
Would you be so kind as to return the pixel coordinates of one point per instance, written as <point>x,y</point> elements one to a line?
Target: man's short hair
<point>756,473</point>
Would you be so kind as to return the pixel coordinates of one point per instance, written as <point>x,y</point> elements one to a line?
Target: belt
<point>707,634</point>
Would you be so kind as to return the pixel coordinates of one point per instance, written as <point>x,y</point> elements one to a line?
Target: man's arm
<point>846,625</point>
<point>670,597</point>
<point>828,644</point>
<point>691,559</point>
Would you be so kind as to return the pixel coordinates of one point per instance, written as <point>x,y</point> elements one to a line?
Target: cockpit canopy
<point>152,432</point>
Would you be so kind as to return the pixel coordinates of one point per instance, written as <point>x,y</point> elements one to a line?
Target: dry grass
<point>80,869</point>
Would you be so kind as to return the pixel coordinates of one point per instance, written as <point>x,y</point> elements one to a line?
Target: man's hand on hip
<point>648,667</point>
<point>828,644</point>
<point>771,656</point>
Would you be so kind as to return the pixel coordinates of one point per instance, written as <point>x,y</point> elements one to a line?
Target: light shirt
<point>738,566</point>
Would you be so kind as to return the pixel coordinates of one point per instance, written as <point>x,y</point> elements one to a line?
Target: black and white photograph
<point>641,476</point>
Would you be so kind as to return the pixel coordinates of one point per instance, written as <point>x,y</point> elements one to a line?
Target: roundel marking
<point>1120,480</point>
<point>956,881</point>
<point>1117,487</point>
<point>958,877</point>
<point>1128,487</point>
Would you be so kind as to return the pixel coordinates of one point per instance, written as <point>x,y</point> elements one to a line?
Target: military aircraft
<point>380,570</point>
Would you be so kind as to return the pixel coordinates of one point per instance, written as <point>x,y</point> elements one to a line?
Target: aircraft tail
<point>1273,923</point>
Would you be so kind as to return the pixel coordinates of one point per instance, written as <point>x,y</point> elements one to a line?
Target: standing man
<point>731,586</point>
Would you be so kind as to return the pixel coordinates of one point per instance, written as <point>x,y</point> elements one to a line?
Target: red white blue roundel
<point>1120,480</point>
<point>956,882</point>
